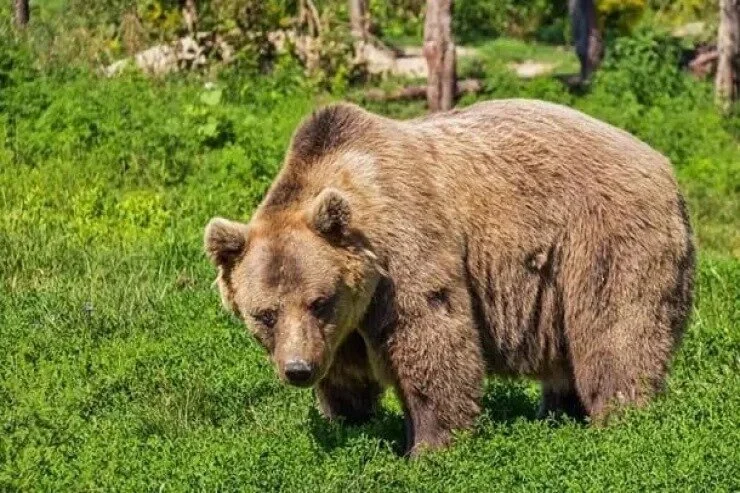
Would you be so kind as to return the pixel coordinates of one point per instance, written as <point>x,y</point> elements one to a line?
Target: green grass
<point>509,50</point>
<point>498,53</point>
<point>119,371</point>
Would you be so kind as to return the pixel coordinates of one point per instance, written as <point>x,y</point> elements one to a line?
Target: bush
<point>682,11</point>
<point>398,19</point>
<point>474,19</point>
<point>644,65</point>
<point>16,62</point>
<point>620,15</point>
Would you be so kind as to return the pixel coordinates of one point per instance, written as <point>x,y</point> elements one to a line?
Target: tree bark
<point>727,82</point>
<point>359,28</point>
<point>308,15</point>
<point>439,51</point>
<point>22,12</point>
<point>189,15</point>
<point>358,19</point>
<point>586,35</point>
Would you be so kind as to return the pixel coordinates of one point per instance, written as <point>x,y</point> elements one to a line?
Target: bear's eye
<point>322,307</point>
<point>268,318</point>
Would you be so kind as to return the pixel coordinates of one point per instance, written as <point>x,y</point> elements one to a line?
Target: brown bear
<point>512,237</point>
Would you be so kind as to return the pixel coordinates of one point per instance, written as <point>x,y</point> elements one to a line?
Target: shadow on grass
<point>502,404</point>
<point>331,435</point>
<point>505,402</point>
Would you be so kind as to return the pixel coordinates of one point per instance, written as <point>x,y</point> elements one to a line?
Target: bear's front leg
<point>349,390</point>
<point>439,369</point>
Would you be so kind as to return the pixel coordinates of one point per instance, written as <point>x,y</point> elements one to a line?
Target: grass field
<point>119,371</point>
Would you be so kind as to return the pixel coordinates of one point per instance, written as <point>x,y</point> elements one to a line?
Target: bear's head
<point>301,280</point>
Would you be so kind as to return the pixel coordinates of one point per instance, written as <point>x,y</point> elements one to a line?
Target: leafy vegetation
<point>120,371</point>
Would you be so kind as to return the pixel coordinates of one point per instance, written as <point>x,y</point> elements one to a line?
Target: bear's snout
<point>299,372</point>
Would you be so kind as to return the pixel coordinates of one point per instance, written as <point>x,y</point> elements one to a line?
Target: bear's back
<point>530,133</point>
<point>510,167</point>
<point>532,162</point>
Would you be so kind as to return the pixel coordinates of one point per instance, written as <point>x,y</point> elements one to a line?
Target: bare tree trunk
<point>360,28</point>
<point>358,19</point>
<point>22,12</point>
<point>189,15</point>
<point>727,83</point>
<point>439,51</point>
<point>586,35</point>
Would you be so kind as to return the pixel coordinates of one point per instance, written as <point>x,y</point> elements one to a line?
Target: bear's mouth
<point>302,385</point>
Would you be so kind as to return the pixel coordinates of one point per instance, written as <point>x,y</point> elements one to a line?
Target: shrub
<point>397,19</point>
<point>645,65</point>
<point>620,15</point>
<point>16,62</point>
<point>681,11</point>
<point>473,19</point>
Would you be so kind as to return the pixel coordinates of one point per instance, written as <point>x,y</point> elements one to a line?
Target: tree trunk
<point>358,19</point>
<point>360,28</point>
<point>439,51</point>
<point>727,83</point>
<point>586,35</point>
<point>22,12</point>
<point>189,15</point>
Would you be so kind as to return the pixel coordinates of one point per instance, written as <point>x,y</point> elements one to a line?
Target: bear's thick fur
<point>513,237</point>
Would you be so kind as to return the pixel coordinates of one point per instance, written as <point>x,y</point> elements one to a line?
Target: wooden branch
<point>467,86</point>
<point>312,17</point>
<point>703,63</point>
<point>189,15</point>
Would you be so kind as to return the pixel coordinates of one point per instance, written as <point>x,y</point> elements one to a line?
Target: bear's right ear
<point>330,214</point>
<point>224,241</point>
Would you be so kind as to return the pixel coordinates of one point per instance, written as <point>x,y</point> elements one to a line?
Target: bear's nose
<point>299,372</point>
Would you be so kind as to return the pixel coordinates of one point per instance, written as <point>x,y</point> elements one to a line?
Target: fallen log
<point>189,52</point>
<point>466,86</point>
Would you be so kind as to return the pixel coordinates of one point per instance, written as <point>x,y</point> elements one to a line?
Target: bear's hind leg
<point>559,397</point>
<point>626,366</point>
<point>606,384</point>
<point>349,391</point>
<point>619,311</point>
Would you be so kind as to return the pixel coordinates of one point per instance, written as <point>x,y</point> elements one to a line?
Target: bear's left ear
<point>224,241</point>
<point>330,214</point>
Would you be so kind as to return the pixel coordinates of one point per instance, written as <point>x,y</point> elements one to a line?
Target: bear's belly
<point>519,314</point>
